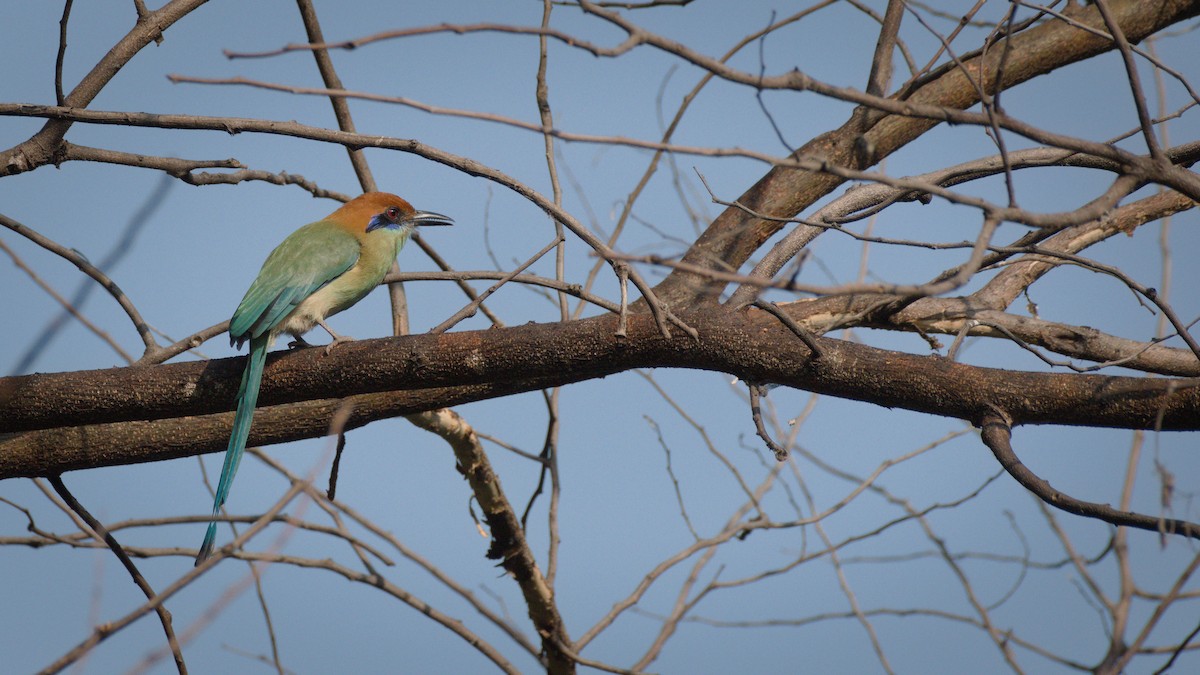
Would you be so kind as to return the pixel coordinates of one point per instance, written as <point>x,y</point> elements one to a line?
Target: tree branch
<point>997,435</point>
<point>783,192</point>
<point>41,148</point>
<point>164,616</point>
<point>442,370</point>
<point>509,544</point>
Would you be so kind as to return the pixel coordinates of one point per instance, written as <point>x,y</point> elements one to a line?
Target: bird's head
<point>393,213</point>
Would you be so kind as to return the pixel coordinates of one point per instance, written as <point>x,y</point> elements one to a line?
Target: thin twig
<point>471,307</point>
<point>757,391</point>
<point>122,245</point>
<point>805,336</point>
<point>337,427</point>
<point>164,616</point>
<point>78,260</point>
<point>68,308</point>
<point>62,53</point>
<point>997,436</point>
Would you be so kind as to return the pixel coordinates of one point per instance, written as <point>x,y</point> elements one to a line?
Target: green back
<point>309,258</point>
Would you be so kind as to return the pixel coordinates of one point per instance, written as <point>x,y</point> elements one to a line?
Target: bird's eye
<point>393,213</point>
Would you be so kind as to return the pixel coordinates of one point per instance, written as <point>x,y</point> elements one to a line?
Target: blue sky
<point>188,267</point>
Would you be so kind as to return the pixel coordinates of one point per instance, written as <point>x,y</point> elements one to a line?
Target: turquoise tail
<point>247,400</point>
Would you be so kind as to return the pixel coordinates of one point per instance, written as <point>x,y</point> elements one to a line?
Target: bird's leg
<point>337,339</point>
<point>298,343</point>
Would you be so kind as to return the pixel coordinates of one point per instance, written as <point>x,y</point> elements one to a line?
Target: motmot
<point>316,272</point>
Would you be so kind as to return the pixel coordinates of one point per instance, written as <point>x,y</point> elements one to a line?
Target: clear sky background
<point>187,268</point>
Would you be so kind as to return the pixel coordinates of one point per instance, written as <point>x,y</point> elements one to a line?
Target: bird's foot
<point>337,341</point>
<point>299,343</point>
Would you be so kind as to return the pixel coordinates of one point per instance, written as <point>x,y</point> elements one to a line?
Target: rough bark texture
<point>429,371</point>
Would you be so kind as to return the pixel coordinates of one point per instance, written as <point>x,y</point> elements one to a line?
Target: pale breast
<point>341,293</point>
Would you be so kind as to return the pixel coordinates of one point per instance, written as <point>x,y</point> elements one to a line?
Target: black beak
<point>425,218</point>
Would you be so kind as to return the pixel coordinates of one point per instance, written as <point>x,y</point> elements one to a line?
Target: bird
<point>316,272</point>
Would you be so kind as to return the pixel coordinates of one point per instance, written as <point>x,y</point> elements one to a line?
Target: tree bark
<point>95,418</point>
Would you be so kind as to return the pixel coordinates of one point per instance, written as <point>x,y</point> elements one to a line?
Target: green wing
<point>309,258</point>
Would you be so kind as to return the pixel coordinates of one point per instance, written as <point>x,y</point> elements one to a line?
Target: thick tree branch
<point>49,451</point>
<point>476,365</point>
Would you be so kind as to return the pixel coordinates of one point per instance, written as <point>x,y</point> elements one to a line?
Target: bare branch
<point>997,434</point>
<point>753,348</point>
<point>509,545</point>
<point>67,306</point>
<point>78,260</point>
<point>39,150</point>
<point>164,616</point>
